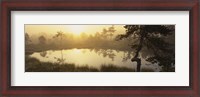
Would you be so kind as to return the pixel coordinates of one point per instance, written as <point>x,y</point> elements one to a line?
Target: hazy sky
<point>75,29</point>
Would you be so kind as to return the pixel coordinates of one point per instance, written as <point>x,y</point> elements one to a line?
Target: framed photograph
<point>138,48</point>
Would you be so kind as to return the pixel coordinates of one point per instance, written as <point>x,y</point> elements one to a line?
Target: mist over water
<point>92,58</point>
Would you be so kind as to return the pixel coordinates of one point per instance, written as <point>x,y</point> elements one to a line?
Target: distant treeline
<point>62,40</point>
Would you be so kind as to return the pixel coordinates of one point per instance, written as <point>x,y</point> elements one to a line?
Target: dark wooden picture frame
<point>193,90</point>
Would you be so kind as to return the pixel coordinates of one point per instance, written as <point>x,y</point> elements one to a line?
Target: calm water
<point>91,57</point>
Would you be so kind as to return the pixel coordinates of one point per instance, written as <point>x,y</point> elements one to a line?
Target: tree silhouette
<point>27,39</point>
<point>111,31</point>
<point>42,40</point>
<point>60,34</point>
<point>107,33</point>
<point>151,37</point>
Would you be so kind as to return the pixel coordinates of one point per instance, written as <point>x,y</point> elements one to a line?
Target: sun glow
<point>77,51</point>
<point>76,29</point>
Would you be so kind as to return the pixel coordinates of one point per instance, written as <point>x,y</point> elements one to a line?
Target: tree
<point>151,37</point>
<point>108,33</point>
<point>60,34</point>
<point>27,39</point>
<point>42,40</point>
<point>111,31</point>
<point>84,36</point>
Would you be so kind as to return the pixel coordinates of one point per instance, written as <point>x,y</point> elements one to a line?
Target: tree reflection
<point>109,53</point>
<point>126,56</point>
<point>43,54</point>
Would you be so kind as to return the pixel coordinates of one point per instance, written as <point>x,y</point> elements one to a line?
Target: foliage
<point>42,40</point>
<point>152,37</point>
<point>27,39</point>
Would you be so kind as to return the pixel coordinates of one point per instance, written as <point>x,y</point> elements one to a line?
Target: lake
<point>92,57</point>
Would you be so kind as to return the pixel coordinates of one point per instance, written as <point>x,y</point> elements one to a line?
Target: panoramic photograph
<point>99,48</point>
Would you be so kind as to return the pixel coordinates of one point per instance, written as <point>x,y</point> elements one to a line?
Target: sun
<point>76,29</point>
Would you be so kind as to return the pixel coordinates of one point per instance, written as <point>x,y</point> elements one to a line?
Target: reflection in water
<point>43,54</point>
<point>91,57</point>
<point>105,53</point>
<point>127,56</point>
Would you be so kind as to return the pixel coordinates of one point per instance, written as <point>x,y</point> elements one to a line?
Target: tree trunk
<point>140,45</point>
<point>138,60</point>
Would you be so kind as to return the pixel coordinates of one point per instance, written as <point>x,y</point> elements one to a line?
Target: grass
<point>112,68</point>
<point>34,65</point>
<point>147,70</point>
